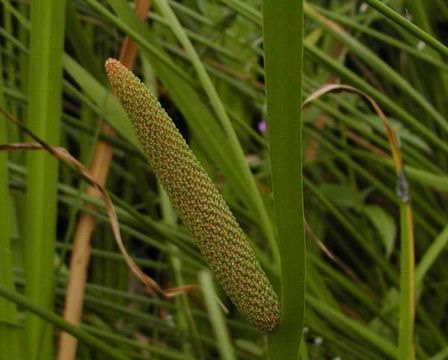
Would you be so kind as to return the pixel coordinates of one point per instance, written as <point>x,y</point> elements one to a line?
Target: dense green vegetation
<point>357,177</point>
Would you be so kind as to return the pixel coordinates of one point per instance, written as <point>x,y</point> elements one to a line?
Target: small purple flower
<point>262,127</point>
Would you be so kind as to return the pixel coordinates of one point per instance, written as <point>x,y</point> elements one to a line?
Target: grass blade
<point>283,26</point>
<point>56,320</point>
<point>9,331</point>
<point>408,26</point>
<point>407,285</point>
<point>216,317</point>
<point>430,256</point>
<point>47,19</point>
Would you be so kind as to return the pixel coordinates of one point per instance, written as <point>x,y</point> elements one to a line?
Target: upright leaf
<point>283,26</point>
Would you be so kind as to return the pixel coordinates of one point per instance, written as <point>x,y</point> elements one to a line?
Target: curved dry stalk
<point>407,276</point>
<point>63,155</point>
<point>393,140</point>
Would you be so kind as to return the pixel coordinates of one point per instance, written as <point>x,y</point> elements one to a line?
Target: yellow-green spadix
<point>198,202</point>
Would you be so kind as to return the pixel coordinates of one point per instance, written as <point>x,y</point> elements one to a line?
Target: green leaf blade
<point>283,24</point>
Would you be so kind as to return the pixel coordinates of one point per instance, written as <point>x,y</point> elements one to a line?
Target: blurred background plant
<point>52,56</point>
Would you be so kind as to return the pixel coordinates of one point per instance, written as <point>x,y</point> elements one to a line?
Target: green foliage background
<point>206,60</point>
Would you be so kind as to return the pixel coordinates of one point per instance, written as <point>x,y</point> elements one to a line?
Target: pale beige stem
<point>80,258</point>
<point>81,252</point>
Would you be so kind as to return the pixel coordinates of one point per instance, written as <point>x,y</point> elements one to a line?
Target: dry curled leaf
<point>63,155</point>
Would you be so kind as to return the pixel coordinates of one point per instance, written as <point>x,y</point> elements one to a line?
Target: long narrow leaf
<point>44,115</point>
<point>283,26</point>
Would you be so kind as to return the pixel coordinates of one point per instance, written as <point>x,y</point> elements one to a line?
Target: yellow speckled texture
<point>198,202</point>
